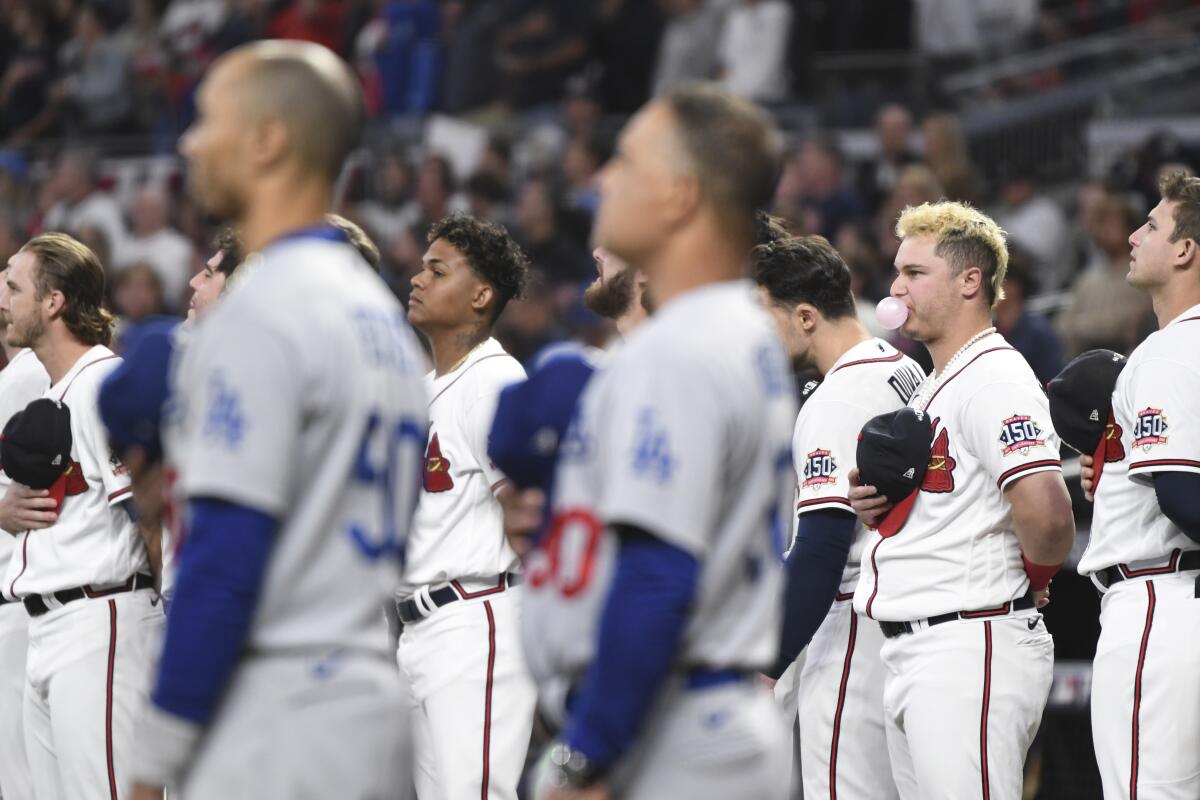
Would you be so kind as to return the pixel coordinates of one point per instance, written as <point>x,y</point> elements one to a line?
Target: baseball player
<point>950,573</point>
<point>805,286</point>
<point>460,647</point>
<point>22,381</point>
<point>1144,550</point>
<point>653,598</point>
<point>88,579</point>
<point>297,423</point>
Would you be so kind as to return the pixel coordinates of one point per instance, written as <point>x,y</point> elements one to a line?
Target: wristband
<point>1039,574</point>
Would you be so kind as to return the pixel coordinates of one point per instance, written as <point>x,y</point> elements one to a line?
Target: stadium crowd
<point>88,87</point>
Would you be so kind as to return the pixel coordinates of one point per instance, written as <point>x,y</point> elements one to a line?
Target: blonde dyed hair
<point>965,237</point>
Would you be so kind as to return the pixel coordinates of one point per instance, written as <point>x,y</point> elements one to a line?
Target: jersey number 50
<point>582,532</point>
<point>396,477</point>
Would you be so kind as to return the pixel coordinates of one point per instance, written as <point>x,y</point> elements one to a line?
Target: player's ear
<point>805,316</point>
<point>1185,251</point>
<point>972,282</point>
<point>270,141</point>
<point>483,297</point>
<point>54,303</point>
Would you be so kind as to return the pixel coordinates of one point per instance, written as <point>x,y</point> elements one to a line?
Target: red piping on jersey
<point>1171,567</point>
<point>81,369</point>
<point>844,596</point>
<point>961,371</point>
<point>845,501</point>
<point>841,703</point>
<point>127,586</point>
<point>883,359</point>
<point>487,703</point>
<point>983,716</point>
<point>108,699</point>
<point>987,612</point>
<point>1137,689</point>
<point>1165,462</point>
<point>875,573</point>
<point>464,372</point>
<point>12,587</point>
<point>465,595</point>
<point>1032,465</point>
<point>119,492</point>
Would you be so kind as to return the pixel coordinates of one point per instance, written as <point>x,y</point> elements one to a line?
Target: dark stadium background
<point>1055,116</point>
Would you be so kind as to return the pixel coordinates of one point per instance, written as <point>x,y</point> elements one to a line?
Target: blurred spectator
<point>97,82</point>
<point>137,294</point>
<point>687,50</point>
<point>187,28</point>
<point>946,154</point>
<point>81,204</point>
<point>549,250</point>
<point>472,78</point>
<point>813,190</point>
<point>877,177</point>
<point>402,260</point>
<point>1036,224</point>
<point>94,237</point>
<point>496,159</point>
<point>753,49</point>
<point>581,107</point>
<point>626,46</point>
<point>529,323</point>
<point>16,200</point>
<point>1032,335</point>
<point>12,239</point>
<point>245,21</point>
<point>435,192</point>
<point>487,198</point>
<point>581,164</point>
<point>400,52</point>
<point>25,87</point>
<point>384,213</point>
<point>869,281</point>
<point>1103,310</point>
<point>155,243</point>
<point>142,43</point>
<point>544,43</point>
<point>320,21</point>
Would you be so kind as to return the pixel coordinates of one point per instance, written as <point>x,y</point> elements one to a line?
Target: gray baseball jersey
<point>300,395</point>
<point>685,433</point>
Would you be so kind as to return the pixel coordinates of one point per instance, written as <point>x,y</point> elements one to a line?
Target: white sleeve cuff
<point>165,746</point>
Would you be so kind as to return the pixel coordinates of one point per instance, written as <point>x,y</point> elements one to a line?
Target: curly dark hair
<point>229,245</point>
<point>769,228</point>
<point>805,269</point>
<point>490,251</point>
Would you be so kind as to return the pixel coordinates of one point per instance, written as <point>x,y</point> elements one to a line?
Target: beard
<point>612,298</point>
<point>27,337</point>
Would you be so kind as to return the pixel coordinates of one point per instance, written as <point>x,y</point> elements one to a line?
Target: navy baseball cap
<point>132,397</point>
<point>893,455</point>
<point>35,449</point>
<point>1081,406</point>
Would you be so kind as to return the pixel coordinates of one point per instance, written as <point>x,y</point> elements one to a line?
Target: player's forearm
<point>1042,517</point>
<point>640,630</point>
<point>152,539</point>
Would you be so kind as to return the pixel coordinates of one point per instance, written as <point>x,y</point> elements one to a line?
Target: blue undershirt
<point>813,570</point>
<point>640,630</point>
<point>1177,493</point>
<point>221,569</point>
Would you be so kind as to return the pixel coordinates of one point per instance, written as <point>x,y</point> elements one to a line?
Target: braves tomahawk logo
<point>1114,451</point>
<point>939,475</point>
<point>437,468</point>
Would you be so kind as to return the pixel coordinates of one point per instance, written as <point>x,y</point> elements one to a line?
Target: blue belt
<point>708,678</point>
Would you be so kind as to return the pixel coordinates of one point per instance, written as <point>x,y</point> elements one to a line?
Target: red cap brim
<point>897,515</point>
<point>1098,457</point>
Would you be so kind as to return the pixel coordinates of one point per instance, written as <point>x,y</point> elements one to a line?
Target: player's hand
<point>1041,598</point>
<point>1087,476</point>
<point>143,792</point>
<point>24,509</point>
<point>523,510</point>
<point>870,506</point>
<point>767,682</point>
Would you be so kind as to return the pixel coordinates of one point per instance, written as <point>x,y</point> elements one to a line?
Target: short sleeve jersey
<point>300,395</point>
<point>685,433</point>
<point>1156,415</point>
<point>957,550</point>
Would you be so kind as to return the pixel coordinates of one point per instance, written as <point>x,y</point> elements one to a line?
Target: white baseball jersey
<point>300,396</point>
<point>458,531</point>
<point>957,551</point>
<point>684,433</point>
<point>870,379</point>
<point>21,382</point>
<point>94,541</point>
<point>1155,430</point>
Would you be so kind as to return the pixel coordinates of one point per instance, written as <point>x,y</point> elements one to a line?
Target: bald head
<point>307,87</point>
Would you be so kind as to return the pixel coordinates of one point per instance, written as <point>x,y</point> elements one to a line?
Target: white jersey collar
<point>1191,313</point>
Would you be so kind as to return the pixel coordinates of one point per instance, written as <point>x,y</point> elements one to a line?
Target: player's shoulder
<point>1176,344</point>
<point>488,370</point>
<point>710,328</point>
<point>24,370</point>
<point>995,362</point>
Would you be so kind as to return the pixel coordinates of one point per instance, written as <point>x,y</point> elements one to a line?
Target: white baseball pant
<point>15,781</point>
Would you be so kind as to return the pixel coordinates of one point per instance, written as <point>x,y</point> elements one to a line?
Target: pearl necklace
<point>930,385</point>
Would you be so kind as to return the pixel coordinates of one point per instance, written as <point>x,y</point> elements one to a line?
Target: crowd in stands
<point>550,81</point>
